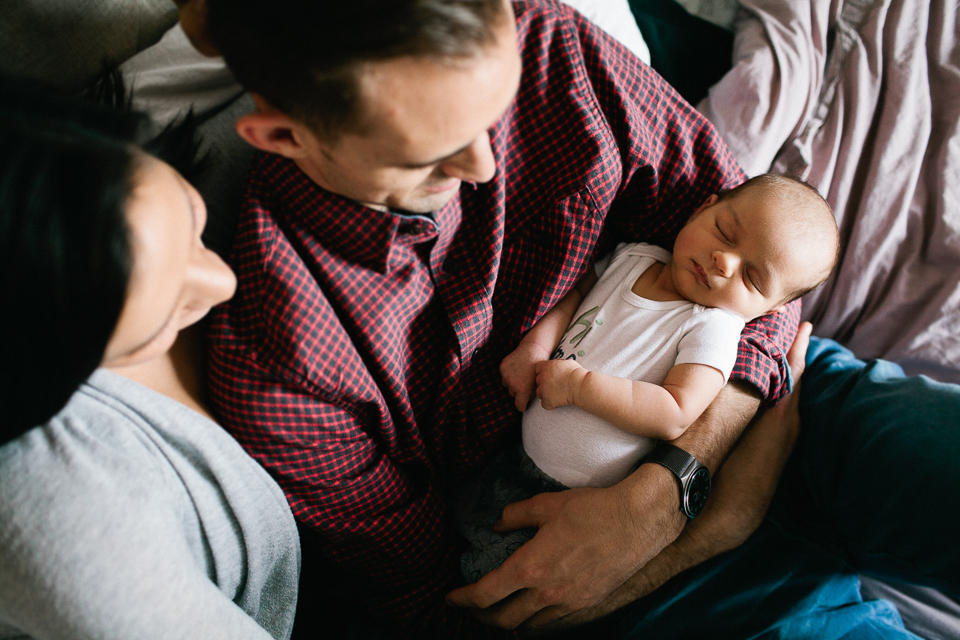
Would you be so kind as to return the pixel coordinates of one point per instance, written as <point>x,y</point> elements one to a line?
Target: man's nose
<point>474,164</point>
<point>726,262</point>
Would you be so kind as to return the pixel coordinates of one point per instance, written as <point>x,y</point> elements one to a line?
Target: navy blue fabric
<point>877,468</point>
<point>871,488</point>
<point>689,52</point>
<point>776,585</point>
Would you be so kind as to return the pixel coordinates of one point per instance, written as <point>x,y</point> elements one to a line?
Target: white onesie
<point>617,332</point>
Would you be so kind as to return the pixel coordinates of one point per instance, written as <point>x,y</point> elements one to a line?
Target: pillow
<point>68,42</point>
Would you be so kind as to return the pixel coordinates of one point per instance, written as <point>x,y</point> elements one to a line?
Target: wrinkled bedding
<point>862,99</point>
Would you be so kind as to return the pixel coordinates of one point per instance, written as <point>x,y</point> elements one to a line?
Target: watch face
<point>698,490</point>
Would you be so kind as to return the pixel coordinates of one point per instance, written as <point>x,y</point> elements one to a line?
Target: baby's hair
<point>816,223</point>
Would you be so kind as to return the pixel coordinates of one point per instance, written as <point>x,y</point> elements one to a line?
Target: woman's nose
<point>212,280</point>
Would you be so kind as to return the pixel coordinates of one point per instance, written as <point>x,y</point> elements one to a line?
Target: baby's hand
<point>558,382</point>
<point>519,375</point>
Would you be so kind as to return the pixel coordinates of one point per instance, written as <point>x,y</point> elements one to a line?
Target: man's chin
<point>427,202</point>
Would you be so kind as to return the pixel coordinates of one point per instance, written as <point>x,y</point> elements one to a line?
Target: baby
<point>636,355</point>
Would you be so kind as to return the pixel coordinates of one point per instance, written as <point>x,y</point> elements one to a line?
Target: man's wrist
<point>693,478</point>
<point>652,488</point>
<point>715,432</point>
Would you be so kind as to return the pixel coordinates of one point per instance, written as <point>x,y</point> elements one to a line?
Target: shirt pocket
<point>544,255</point>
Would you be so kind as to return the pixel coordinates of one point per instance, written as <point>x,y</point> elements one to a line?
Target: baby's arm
<point>517,369</point>
<point>643,408</point>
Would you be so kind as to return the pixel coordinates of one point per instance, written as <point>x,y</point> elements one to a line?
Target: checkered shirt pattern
<point>358,361</point>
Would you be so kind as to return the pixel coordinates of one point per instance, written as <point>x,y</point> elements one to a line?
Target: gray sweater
<point>130,516</point>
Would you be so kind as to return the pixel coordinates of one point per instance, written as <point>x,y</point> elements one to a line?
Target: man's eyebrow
<point>421,165</point>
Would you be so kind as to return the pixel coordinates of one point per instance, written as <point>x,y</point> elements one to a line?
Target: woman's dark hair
<point>67,167</point>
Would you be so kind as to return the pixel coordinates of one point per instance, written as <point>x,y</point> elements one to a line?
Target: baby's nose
<point>726,262</point>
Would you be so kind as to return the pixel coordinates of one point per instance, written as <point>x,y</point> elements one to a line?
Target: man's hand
<point>589,542</point>
<point>741,494</point>
<point>559,382</point>
<point>519,371</point>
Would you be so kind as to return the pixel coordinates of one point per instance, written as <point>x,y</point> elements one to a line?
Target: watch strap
<point>693,493</point>
<point>673,458</point>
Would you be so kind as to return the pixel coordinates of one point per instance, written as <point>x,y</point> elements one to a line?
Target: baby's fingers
<point>521,399</point>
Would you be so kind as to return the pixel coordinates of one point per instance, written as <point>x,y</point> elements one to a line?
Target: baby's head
<point>756,247</point>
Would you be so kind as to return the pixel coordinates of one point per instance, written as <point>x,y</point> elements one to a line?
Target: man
<point>428,191</point>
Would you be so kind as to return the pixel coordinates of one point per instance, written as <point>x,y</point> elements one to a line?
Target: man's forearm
<point>736,507</point>
<point>592,542</point>
<point>738,502</point>
<point>711,438</point>
<point>717,434</point>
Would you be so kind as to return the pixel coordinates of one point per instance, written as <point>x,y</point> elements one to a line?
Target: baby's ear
<point>709,202</point>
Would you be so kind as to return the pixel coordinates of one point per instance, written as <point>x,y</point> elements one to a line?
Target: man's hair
<point>304,56</point>
<point>815,223</point>
<point>67,169</point>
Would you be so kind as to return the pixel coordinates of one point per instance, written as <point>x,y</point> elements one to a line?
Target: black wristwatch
<point>694,478</point>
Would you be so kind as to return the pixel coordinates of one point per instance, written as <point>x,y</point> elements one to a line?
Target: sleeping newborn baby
<point>643,345</point>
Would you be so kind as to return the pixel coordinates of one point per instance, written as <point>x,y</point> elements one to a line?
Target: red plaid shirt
<point>359,360</point>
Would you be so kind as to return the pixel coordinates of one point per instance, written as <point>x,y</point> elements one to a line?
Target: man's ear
<point>270,130</point>
<point>777,310</point>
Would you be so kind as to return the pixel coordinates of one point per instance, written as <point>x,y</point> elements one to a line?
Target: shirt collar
<point>342,226</point>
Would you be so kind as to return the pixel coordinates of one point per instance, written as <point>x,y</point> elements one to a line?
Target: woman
<point>127,513</point>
